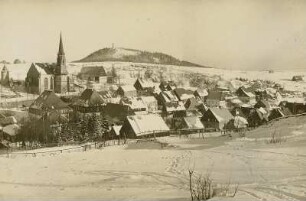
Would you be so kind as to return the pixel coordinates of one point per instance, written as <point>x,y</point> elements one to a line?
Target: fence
<point>13,153</point>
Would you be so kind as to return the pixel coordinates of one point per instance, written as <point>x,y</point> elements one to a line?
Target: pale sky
<point>232,34</point>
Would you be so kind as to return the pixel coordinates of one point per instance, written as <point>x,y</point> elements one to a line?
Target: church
<point>55,77</point>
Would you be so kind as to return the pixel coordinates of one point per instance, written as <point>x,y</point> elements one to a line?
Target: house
<point>127,90</point>
<point>10,132</point>
<point>240,122</point>
<point>96,74</point>
<point>151,103</point>
<point>275,113</point>
<point>216,118</point>
<point>142,85</point>
<point>176,109</point>
<point>42,77</point>
<point>264,104</point>
<point>46,102</point>
<point>90,101</point>
<point>201,94</point>
<point>167,86</point>
<point>114,133</point>
<point>294,106</point>
<point>214,98</point>
<point>297,78</point>
<point>138,126</point>
<point>257,117</point>
<point>106,96</point>
<point>202,108</point>
<point>238,111</point>
<point>245,94</point>
<point>167,97</point>
<point>116,113</point>
<point>191,106</point>
<point>192,123</point>
<point>135,104</point>
<point>183,94</point>
<point>7,121</point>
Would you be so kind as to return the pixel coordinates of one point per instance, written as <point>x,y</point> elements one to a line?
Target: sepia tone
<point>153,100</point>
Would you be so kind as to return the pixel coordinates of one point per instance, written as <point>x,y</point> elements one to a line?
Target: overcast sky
<point>240,34</point>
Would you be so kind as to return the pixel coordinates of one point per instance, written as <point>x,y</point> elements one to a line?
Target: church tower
<point>61,74</point>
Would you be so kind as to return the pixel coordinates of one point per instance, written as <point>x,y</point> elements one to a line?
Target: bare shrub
<point>202,187</point>
<point>276,138</point>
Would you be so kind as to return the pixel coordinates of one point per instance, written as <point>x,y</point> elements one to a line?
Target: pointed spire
<point>61,46</point>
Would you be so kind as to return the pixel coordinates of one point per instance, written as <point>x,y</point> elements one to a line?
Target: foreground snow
<point>263,171</point>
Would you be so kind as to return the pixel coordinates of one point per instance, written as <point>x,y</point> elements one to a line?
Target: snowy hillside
<point>132,55</point>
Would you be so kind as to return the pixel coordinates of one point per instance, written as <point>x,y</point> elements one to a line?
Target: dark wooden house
<point>90,101</point>
<point>216,118</point>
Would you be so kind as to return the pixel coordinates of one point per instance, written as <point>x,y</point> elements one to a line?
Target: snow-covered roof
<point>148,99</point>
<point>128,88</point>
<point>240,122</point>
<point>169,96</point>
<point>146,83</point>
<point>11,129</point>
<point>117,129</point>
<point>133,102</point>
<point>202,92</point>
<point>175,106</point>
<point>193,122</point>
<point>147,124</point>
<point>221,114</point>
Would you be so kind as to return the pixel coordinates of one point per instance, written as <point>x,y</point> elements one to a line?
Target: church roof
<point>61,46</point>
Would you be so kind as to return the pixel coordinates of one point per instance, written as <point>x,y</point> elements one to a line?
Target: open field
<point>263,171</point>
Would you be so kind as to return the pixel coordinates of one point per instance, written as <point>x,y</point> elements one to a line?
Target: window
<point>96,79</point>
<point>46,83</point>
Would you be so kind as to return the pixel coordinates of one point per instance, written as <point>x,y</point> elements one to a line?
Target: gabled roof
<point>8,120</point>
<point>116,129</point>
<point>193,123</point>
<point>240,122</point>
<point>11,129</point>
<point>106,94</point>
<point>89,97</point>
<point>169,96</point>
<point>142,124</point>
<point>183,94</point>
<point>249,92</point>
<point>93,71</point>
<point>263,103</point>
<point>221,114</point>
<point>133,102</point>
<point>145,83</point>
<point>48,100</point>
<point>174,106</point>
<point>127,88</point>
<point>43,68</point>
<point>148,99</point>
<point>191,104</point>
<point>201,92</point>
<point>215,95</point>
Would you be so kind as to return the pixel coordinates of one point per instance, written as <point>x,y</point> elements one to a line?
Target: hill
<point>136,56</point>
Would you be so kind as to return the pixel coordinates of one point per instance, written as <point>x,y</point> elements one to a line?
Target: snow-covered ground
<point>263,171</point>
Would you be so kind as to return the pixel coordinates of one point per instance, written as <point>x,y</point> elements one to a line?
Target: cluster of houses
<point>154,109</point>
<point>147,108</point>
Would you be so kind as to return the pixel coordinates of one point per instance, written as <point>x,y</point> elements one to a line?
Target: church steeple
<point>61,59</point>
<point>61,46</point>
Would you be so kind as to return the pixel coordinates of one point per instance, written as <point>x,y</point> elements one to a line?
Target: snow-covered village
<point>112,116</point>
